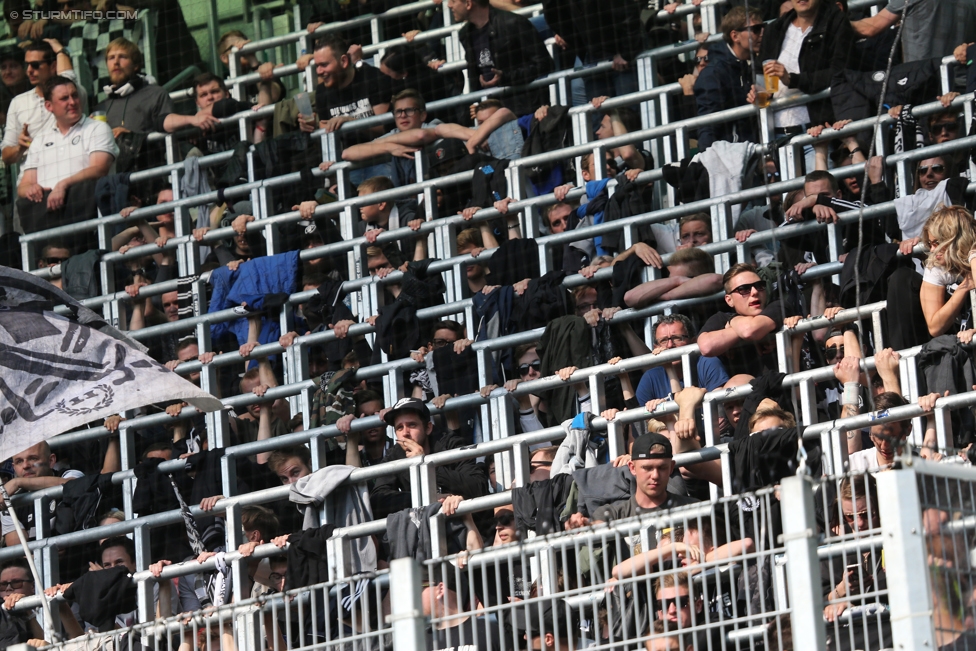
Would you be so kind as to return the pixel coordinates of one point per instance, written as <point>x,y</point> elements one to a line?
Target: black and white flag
<point>58,372</point>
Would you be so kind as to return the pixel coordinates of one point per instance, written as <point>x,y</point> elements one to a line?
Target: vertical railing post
<point>803,566</point>
<point>408,613</point>
<point>906,564</point>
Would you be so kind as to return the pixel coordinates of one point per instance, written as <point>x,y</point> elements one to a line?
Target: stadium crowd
<point>76,154</point>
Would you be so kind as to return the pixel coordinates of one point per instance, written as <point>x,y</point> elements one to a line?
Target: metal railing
<point>757,570</point>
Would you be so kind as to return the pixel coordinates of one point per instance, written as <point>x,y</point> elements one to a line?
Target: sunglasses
<point>440,343</point>
<point>701,60</point>
<point>936,169</point>
<point>665,604</point>
<point>833,352</point>
<point>755,29</point>
<point>505,519</point>
<point>948,127</point>
<point>860,515</point>
<point>772,175</point>
<point>36,65</point>
<point>746,290</point>
<point>535,366</point>
<point>16,584</point>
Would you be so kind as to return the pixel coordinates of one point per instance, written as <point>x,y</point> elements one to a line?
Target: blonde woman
<point>950,237</point>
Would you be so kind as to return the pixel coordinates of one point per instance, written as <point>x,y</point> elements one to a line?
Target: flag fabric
<point>192,533</point>
<point>59,372</point>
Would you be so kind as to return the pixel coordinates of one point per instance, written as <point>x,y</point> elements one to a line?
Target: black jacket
<point>722,85</point>
<point>598,29</point>
<point>538,506</point>
<point>825,52</point>
<point>465,478</point>
<point>518,53</point>
<point>308,562</point>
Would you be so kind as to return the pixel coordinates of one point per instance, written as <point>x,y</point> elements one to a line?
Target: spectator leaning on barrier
<point>27,116</point>
<point>502,49</point>
<point>673,331</point>
<point>64,162</point>
<point>726,80</point>
<point>346,91</point>
<point>412,132</point>
<point>651,462</point>
<point>410,420</point>
<point>33,470</point>
<point>742,338</point>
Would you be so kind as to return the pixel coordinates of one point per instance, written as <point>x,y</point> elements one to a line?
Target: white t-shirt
<point>864,461</point>
<point>7,522</point>
<point>57,156</point>
<point>941,277</point>
<point>790,58</point>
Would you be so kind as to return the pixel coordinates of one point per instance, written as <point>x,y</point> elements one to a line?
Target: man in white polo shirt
<point>64,162</point>
<point>27,116</point>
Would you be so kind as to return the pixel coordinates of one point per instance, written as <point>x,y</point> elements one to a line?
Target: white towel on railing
<point>726,162</point>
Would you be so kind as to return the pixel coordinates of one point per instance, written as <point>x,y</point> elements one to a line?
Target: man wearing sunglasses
<point>674,601</point>
<point>743,338</point>
<point>27,115</point>
<point>725,82</point>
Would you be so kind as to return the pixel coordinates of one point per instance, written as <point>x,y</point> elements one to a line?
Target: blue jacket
<point>252,281</point>
<point>724,84</point>
<point>593,190</point>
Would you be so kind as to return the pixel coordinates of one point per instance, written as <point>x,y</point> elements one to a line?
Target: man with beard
<point>346,92</point>
<point>133,104</point>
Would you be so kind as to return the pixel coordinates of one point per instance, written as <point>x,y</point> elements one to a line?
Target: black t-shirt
<point>751,358</point>
<point>628,508</point>
<point>472,634</point>
<point>369,88</point>
<point>480,43</point>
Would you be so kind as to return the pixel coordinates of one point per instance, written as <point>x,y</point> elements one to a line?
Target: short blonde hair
<point>469,237</point>
<point>697,261</point>
<point>785,416</point>
<point>127,46</point>
<point>375,184</point>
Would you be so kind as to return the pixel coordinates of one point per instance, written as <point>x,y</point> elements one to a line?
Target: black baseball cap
<point>408,404</point>
<point>642,447</point>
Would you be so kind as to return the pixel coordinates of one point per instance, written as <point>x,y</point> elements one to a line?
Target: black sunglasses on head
<point>535,366</point>
<point>746,289</point>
